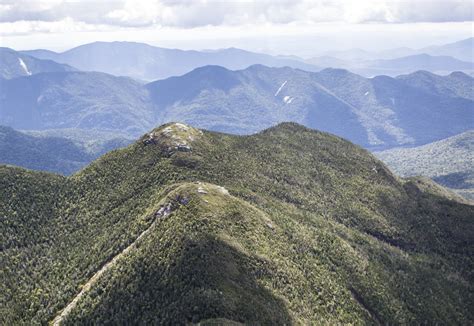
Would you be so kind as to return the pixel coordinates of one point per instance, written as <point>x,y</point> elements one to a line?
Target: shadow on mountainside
<point>208,279</point>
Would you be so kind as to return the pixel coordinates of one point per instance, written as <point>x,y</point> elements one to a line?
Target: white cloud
<point>190,14</point>
<point>63,26</point>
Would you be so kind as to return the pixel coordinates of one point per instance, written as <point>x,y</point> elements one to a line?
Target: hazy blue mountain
<point>95,142</point>
<point>86,100</point>
<point>462,50</point>
<point>396,112</point>
<point>15,64</point>
<point>329,62</point>
<point>350,55</point>
<point>396,66</point>
<point>441,59</point>
<point>51,151</point>
<point>380,112</point>
<point>450,162</point>
<point>456,84</point>
<point>146,62</point>
<point>395,53</point>
<point>418,62</point>
<point>247,101</point>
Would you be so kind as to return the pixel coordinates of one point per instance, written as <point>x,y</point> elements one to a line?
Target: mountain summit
<point>286,226</point>
<point>146,62</point>
<point>16,64</point>
<point>377,113</point>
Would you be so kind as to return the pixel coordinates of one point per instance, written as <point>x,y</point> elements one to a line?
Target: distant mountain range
<point>456,84</point>
<point>441,59</point>
<point>397,66</point>
<point>86,100</point>
<point>380,112</point>
<point>15,64</point>
<point>58,151</point>
<point>146,62</point>
<point>450,162</point>
<point>461,50</point>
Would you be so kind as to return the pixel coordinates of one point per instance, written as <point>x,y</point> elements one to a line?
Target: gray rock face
<point>164,211</point>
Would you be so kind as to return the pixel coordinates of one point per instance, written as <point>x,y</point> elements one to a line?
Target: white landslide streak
<point>281,87</point>
<point>66,311</point>
<point>23,65</point>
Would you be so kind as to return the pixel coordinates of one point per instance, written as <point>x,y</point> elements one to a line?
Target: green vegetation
<point>60,151</point>
<point>377,113</point>
<point>288,226</point>
<point>449,162</point>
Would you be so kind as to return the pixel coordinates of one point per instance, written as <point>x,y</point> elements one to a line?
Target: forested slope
<point>286,226</point>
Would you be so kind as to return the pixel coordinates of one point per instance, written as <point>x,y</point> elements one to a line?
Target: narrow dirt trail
<point>86,288</point>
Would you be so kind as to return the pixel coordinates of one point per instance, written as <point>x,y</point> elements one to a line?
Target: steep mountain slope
<point>92,141</point>
<point>395,112</point>
<point>85,100</point>
<point>456,84</point>
<point>146,62</point>
<point>450,162</point>
<point>380,112</point>
<point>52,151</point>
<point>285,226</point>
<point>253,99</point>
<point>15,64</point>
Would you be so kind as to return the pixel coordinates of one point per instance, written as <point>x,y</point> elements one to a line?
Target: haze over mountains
<point>62,151</point>
<point>442,59</point>
<point>85,100</point>
<point>450,162</point>
<point>461,50</point>
<point>15,64</point>
<point>146,62</point>
<point>380,112</point>
<point>397,66</point>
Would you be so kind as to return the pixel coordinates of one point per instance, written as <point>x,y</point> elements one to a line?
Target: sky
<point>299,27</point>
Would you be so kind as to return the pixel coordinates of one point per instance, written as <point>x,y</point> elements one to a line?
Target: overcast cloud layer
<point>20,16</point>
<point>300,27</point>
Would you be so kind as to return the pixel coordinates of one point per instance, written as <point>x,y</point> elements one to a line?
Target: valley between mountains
<point>377,113</point>
<point>286,226</point>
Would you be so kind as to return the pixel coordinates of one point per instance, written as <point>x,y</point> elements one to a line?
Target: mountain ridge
<point>146,62</point>
<point>312,229</point>
<point>55,150</point>
<point>15,64</point>
<point>448,162</point>
<point>378,113</point>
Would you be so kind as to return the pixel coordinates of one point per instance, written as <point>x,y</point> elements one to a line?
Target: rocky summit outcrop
<point>173,137</point>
